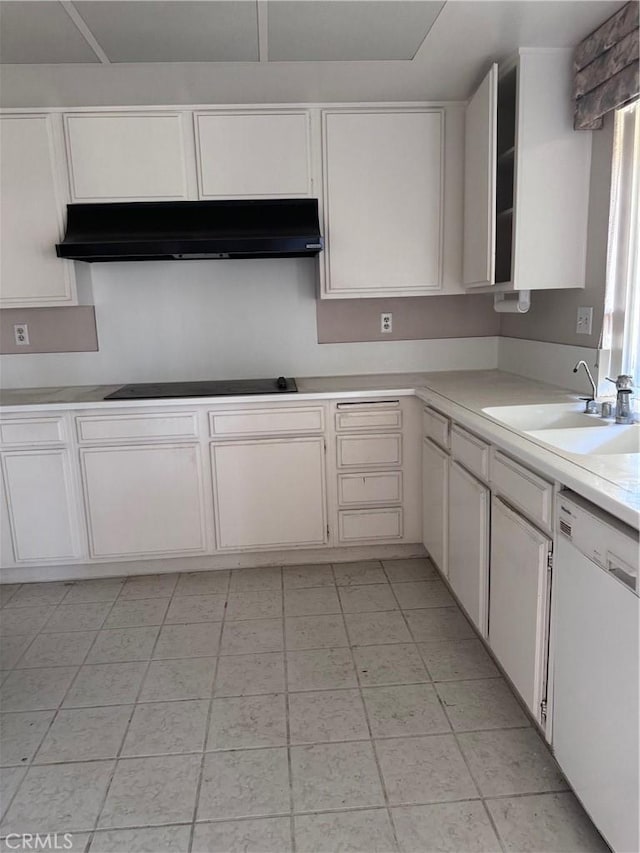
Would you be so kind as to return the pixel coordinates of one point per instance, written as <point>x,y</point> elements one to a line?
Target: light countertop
<point>611,481</point>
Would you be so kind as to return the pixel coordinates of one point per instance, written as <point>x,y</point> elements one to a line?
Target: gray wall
<point>414,318</point>
<point>552,317</point>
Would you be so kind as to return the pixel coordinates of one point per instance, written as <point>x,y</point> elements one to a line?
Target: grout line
<point>209,714</point>
<point>375,739</point>
<point>494,826</point>
<point>288,719</point>
<point>376,759</point>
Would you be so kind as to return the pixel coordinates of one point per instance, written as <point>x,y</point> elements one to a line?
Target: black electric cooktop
<point>218,388</point>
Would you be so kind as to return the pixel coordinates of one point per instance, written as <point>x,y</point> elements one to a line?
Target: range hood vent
<point>188,230</point>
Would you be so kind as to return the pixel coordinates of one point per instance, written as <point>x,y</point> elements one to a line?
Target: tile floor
<point>311,708</point>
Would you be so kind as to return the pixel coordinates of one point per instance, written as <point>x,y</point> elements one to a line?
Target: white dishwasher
<point>596,666</point>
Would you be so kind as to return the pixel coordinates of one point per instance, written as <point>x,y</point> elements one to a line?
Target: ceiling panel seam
<point>426,35</point>
<point>263,30</point>
<point>91,40</point>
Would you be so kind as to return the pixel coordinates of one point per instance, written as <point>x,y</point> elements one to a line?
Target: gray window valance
<point>606,68</point>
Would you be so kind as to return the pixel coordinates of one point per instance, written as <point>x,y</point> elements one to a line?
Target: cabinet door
<point>144,500</point>
<point>519,599</point>
<point>469,543</point>
<point>383,202</point>
<point>480,148</point>
<point>31,214</point>
<point>435,491</point>
<point>253,155</point>
<point>270,493</point>
<point>41,505</point>
<point>126,156</point>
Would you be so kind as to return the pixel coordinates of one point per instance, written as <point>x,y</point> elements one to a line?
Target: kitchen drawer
<point>32,431</point>
<point>364,451</point>
<point>142,427</point>
<point>356,417</point>
<point>266,422</point>
<point>522,488</point>
<point>368,524</point>
<point>436,427</point>
<point>376,487</point>
<point>470,451</point>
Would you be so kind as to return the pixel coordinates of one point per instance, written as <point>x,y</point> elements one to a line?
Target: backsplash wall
<point>208,320</point>
<point>414,318</point>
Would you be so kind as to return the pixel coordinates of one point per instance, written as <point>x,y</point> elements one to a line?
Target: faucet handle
<point>624,382</point>
<point>591,406</point>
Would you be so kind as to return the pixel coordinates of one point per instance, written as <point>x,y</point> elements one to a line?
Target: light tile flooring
<point>311,708</point>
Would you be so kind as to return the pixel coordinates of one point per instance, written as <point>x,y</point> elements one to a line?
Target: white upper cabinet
<point>32,192</point>
<point>527,178</point>
<point>481,128</point>
<point>383,190</point>
<point>129,156</point>
<point>253,154</point>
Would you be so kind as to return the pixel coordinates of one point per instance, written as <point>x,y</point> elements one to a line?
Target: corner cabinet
<point>33,196</point>
<point>526,178</point>
<point>383,191</point>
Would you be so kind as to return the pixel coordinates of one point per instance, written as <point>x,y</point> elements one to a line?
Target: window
<point>621,326</point>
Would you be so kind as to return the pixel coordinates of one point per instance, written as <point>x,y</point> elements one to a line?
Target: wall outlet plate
<point>386,323</point>
<point>21,334</point>
<point>584,321</point>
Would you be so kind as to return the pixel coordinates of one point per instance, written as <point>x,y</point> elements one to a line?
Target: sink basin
<point>545,416</point>
<point>616,438</point>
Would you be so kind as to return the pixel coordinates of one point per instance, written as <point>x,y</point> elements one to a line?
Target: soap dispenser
<point>624,386</point>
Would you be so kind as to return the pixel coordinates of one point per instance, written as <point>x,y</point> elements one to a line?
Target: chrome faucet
<point>591,406</point>
<point>624,384</point>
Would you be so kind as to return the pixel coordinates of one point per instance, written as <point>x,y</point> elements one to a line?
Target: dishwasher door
<point>595,700</point>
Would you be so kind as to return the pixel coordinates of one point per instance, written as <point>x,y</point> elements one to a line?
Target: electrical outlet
<point>21,334</point>
<point>386,323</point>
<point>585,320</point>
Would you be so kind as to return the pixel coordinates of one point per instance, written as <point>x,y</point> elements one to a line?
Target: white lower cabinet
<point>377,472</point>
<point>146,499</point>
<point>366,525</point>
<point>41,505</point>
<point>269,493</point>
<point>435,503</point>
<point>469,506</point>
<point>519,602</point>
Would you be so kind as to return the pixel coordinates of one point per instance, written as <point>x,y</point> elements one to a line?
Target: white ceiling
<point>256,51</point>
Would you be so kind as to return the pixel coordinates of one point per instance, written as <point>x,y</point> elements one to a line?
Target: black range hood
<point>188,230</point>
